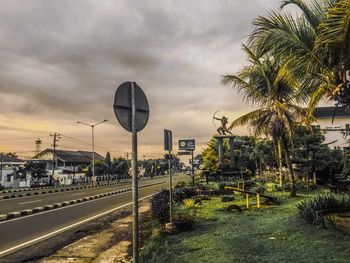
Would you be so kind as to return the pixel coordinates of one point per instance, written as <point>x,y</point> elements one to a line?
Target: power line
<point>22,138</point>
<point>83,142</point>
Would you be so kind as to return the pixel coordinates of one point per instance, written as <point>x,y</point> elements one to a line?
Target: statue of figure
<point>222,130</point>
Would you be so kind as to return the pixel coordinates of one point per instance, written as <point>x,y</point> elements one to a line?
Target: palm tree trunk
<point>279,150</point>
<point>293,190</point>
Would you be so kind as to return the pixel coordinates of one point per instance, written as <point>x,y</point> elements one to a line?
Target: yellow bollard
<point>258,200</point>
<point>247,199</point>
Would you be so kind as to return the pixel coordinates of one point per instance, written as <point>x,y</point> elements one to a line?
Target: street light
<point>93,146</point>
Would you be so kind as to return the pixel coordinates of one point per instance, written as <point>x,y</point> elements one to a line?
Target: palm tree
<point>268,84</point>
<point>314,46</point>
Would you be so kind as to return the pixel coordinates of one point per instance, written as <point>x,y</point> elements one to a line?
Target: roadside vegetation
<point>293,62</point>
<point>214,232</point>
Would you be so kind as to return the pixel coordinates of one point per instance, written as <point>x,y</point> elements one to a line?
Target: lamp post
<point>93,146</point>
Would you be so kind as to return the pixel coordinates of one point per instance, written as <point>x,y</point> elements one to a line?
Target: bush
<point>189,202</point>
<point>198,201</point>
<point>180,184</point>
<point>183,221</point>
<point>259,189</point>
<point>227,198</point>
<point>232,208</point>
<point>160,206</point>
<point>222,186</point>
<point>179,194</point>
<point>307,209</point>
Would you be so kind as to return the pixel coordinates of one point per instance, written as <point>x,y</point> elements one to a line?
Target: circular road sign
<point>123,110</point>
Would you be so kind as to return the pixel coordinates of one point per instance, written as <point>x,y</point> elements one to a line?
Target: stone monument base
<point>230,170</point>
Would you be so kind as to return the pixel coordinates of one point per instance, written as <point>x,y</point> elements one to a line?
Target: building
<point>9,164</point>
<point>335,125</point>
<point>67,161</point>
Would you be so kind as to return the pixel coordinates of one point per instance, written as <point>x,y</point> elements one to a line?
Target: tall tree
<point>268,84</point>
<point>314,45</point>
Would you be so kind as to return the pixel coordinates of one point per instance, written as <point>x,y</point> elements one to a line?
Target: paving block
<point>48,207</point>
<point>13,215</point>
<point>38,209</point>
<point>26,212</point>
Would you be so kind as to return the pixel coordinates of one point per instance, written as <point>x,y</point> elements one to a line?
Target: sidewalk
<point>111,245</point>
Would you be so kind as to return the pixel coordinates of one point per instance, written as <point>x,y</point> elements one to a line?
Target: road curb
<point>40,209</point>
<point>12,193</point>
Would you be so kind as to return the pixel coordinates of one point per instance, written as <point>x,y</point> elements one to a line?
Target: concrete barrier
<point>38,209</point>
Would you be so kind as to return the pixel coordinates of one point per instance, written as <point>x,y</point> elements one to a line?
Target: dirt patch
<point>111,245</point>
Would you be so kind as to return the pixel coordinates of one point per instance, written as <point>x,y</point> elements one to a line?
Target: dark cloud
<point>66,57</point>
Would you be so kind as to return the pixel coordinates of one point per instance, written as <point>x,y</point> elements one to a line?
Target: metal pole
<point>192,169</point>
<point>170,191</point>
<point>2,157</point>
<point>135,243</point>
<point>93,156</point>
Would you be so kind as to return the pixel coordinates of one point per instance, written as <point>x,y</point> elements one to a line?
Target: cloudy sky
<point>61,61</point>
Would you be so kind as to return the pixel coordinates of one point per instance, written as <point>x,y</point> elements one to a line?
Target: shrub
<point>227,198</point>
<point>232,208</point>
<point>270,187</point>
<point>222,186</point>
<point>180,184</point>
<point>307,209</point>
<point>189,202</point>
<point>259,189</point>
<point>183,221</point>
<point>179,194</point>
<point>197,201</point>
<point>160,206</point>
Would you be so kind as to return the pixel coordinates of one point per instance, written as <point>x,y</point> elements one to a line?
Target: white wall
<point>334,135</point>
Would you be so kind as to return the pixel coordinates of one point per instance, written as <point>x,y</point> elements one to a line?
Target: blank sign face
<point>122,106</point>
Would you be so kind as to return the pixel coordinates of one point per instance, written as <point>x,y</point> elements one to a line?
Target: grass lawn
<point>268,234</point>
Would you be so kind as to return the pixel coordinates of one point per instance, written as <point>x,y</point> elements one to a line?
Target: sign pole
<point>168,146</point>
<point>192,169</point>
<point>132,111</point>
<point>170,191</point>
<point>135,243</point>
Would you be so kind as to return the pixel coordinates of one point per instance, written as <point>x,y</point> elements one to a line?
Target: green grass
<point>268,234</point>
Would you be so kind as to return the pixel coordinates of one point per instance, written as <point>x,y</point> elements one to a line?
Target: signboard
<point>168,140</point>
<point>123,100</point>
<point>187,145</point>
<point>184,153</point>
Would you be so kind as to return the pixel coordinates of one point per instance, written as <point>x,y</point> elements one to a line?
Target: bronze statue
<point>222,130</point>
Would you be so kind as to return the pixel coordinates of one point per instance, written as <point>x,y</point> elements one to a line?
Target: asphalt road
<point>24,231</point>
<point>27,202</point>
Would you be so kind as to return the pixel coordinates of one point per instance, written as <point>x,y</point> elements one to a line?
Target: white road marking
<point>34,201</point>
<point>79,193</point>
<point>67,227</point>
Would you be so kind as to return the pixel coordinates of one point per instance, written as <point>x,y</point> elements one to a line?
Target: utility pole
<point>56,137</point>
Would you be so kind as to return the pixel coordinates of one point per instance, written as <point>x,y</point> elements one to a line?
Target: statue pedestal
<point>232,169</point>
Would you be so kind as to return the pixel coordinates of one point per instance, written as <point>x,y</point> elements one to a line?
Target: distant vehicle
<point>188,173</point>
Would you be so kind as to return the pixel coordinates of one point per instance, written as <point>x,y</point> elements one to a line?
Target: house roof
<point>73,156</point>
<point>329,112</point>
<point>10,158</point>
<point>98,157</point>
